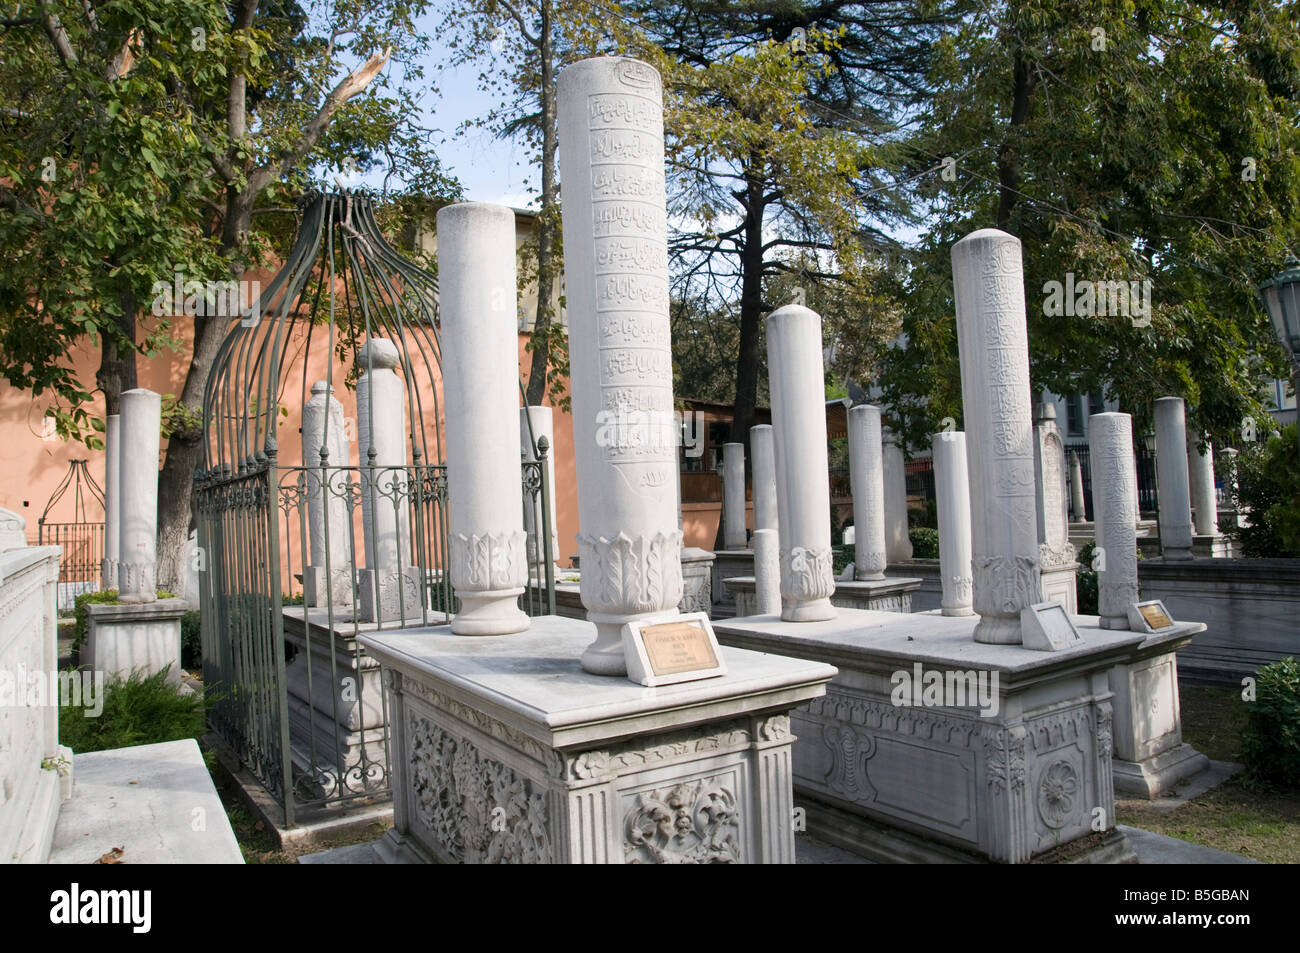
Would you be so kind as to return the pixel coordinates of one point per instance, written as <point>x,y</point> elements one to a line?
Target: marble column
<point>988,288</point>
<point>620,353</point>
<point>140,430</point>
<point>1056,554</point>
<point>1200,467</point>
<point>898,545</point>
<point>767,571</point>
<point>1171,479</point>
<point>477,287</point>
<point>733,496</point>
<point>325,448</point>
<point>797,384</point>
<point>1228,456</point>
<point>112,500</point>
<point>1110,439</point>
<point>763,464</point>
<point>542,420</point>
<point>867,482</point>
<point>1078,505</point>
<point>952,494</point>
<point>390,586</point>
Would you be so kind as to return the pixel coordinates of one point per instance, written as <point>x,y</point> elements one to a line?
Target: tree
<point>269,98</point>
<point>1120,144</point>
<point>782,152</point>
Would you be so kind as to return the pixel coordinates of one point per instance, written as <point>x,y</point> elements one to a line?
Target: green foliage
<point>1124,161</point>
<point>1085,581</point>
<point>191,640</point>
<point>1268,485</point>
<point>842,557</point>
<point>925,542</point>
<point>1270,742</point>
<point>138,710</point>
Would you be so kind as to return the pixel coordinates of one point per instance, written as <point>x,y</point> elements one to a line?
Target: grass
<point>140,710</point>
<point>1263,824</point>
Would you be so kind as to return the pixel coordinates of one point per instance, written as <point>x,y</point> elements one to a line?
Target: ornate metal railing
<point>81,564</point>
<point>291,690</point>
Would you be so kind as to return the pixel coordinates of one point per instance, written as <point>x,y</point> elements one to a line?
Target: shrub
<point>1270,742</point>
<point>139,710</point>
<point>1268,485</point>
<point>842,556</point>
<point>191,640</point>
<point>925,542</point>
<point>1085,582</point>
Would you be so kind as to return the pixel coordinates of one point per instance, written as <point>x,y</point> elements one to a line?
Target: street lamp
<point>1281,295</point>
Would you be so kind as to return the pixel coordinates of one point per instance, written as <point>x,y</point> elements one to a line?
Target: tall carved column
<point>867,480</point>
<point>988,288</point>
<point>1078,505</point>
<point>620,354</point>
<point>733,496</point>
<point>325,447</point>
<point>1056,554</point>
<point>796,379</point>
<point>898,544</point>
<point>1200,467</point>
<point>1110,438</point>
<point>477,288</point>
<point>952,493</point>
<point>767,572</point>
<point>112,500</point>
<point>763,460</point>
<point>140,430</point>
<point>390,586</point>
<point>1171,479</point>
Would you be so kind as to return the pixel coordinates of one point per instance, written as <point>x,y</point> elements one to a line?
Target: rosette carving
<point>488,561</point>
<point>627,574</point>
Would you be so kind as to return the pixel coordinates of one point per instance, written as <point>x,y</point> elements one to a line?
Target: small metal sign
<point>1149,616</point>
<point>673,650</point>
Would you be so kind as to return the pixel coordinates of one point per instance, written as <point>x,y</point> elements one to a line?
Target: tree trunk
<point>1022,85</point>
<point>546,222</point>
<point>185,446</point>
<point>117,371</point>
<point>748,359</point>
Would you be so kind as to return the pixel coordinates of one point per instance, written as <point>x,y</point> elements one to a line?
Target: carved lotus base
<point>504,751</point>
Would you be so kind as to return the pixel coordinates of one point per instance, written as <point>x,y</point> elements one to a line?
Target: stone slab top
<point>869,638</point>
<point>534,680</point>
<point>143,799</point>
<point>882,586</point>
<point>158,610</point>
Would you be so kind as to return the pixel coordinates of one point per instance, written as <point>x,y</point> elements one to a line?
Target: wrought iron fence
<point>291,689</point>
<point>81,564</point>
<point>1145,464</point>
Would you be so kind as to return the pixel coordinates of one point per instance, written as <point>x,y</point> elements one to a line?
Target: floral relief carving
<point>478,810</point>
<point>488,561</point>
<point>806,573</point>
<point>1105,738</point>
<point>1058,790</point>
<point>688,823</point>
<point>1005,584</point>
<point>627,575</point>
<point>1004,760</point>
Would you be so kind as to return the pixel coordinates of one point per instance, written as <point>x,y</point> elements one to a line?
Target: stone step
<point>147,800</point>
